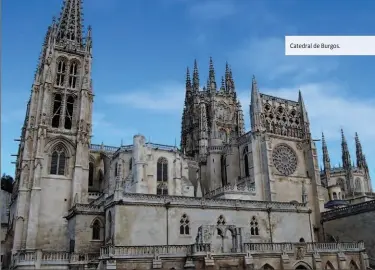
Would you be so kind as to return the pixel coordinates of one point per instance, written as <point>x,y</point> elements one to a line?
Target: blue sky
<point>142,48</point>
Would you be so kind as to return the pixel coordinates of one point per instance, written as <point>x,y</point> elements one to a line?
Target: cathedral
<point>225,199</point>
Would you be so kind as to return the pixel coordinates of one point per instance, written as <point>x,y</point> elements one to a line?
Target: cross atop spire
<point>70,22</point>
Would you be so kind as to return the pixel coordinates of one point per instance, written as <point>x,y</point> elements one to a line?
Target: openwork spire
<point>326,159</point>
<point>211,76</point>
<point>70,22</point>
<point>346,163</point>
<point>195,77</point>
<point>359,153</point>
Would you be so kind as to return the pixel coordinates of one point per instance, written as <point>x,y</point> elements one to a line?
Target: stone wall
<point>352,223</point>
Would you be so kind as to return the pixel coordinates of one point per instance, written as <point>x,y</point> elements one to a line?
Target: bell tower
<point>52,164</point>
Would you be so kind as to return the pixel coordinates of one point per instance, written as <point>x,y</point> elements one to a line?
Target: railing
<point>349,210</point>
<point>144,251</point>
<point>162,146</point>
<point>101,147</point>
<point>230,188</point>
<point>52,257</point>
<point>310,247</point>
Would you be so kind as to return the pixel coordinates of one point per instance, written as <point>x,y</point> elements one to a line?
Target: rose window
<point>284,159</point>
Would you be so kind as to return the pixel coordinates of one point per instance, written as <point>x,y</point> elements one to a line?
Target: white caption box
<point>329,45</point>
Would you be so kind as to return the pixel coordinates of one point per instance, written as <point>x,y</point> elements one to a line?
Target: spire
<point>326,159</point>
<point>195,77</point>
<point>255,107</point>
<point>346,163</point>
<point>359,153</point>
<point>70,22</point>
<point>188,80</point>
<point>211,76</point>
<point>304,116</point>
<point>222,87</point>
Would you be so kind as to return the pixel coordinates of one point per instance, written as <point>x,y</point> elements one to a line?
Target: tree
<point>7,183</point>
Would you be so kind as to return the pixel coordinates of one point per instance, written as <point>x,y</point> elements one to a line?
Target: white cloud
<point>167,97</point>
<point>105,130</point>
<point>266,56</point>
<point>212,9</point>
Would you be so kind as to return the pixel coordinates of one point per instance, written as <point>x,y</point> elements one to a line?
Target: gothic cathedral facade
<point>224,199</point>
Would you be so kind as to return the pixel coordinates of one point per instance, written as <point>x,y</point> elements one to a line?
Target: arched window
<point>73,74</point>
<point>162,176</point>
<point>61,71</point>
<point>58,161</point>
<point>358,185</point>
<point>69,112</point>
<point>91,174</point>
<point>301,240</point>
<point>96,228</point>
<point>340,182</point>
<point>162,170</point>
<point>334,195</point>
<point>254,229</point>
<point>301,267</point>
<point>109,220</point>
<point>130,164</point>
<point>116,165</point>
<point>267,267</point>
<point>184,225</point>
<point>56,111</point>
<point>246,161</point>
<point>223,171</point>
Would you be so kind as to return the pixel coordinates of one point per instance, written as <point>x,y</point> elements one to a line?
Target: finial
<point>222,88</point>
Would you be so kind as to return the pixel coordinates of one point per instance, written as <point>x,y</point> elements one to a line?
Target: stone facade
<point>352,223</point>
<point>4,200</point>
<point>227,199</point>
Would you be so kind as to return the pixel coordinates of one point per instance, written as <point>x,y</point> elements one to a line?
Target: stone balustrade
<point>348,210</point>
<point>94,195</point>
<point>254,248</point>
<point>152,251</point>
<point>28,258</point>
<point>105,148</point>
<point>230,188</point>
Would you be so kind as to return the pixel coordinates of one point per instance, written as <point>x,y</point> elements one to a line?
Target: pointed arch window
<point>224,179</point>
<point>245,155</point>
<point>56,111</point>
<point>162,176</point>
<point>61,72</point>
<point>58,161</point>
<point>73,74</point>
<point>96,228</point>
<point>254,229</point>
<point>130,164</point>
<point>116,172</point>
<point>184,225</point>
<point>109,220</point>
<point>91,174</point>
<point>69,112</point>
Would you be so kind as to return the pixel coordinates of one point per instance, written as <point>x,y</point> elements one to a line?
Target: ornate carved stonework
<point>284,159</point>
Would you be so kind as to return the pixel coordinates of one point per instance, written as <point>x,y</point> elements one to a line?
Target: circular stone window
<point>284,159</point>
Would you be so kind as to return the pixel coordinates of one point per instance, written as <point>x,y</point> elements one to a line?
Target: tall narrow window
<point>184,225</point>
<point>254,230</point>
<point>58,161</point>
<point>56,111</point>
<point>109,225</point>
<point>358,185</point>
<point>162,176</point>
<point>246,161</point>
<point>69,112</point>
<point>130,164</point>
<point>91,174</point>
<point>61,71</point>
<point>224,181</point>
<point>96,230</point>
<point>73,74</point>
<point>116,165</point>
